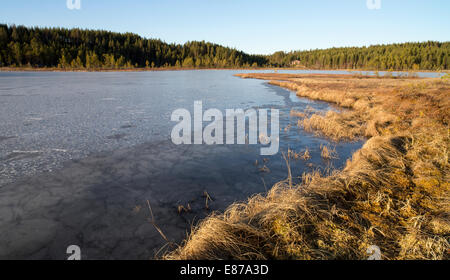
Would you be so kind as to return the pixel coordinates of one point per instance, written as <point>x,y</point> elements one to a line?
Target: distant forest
<point>89,49</point>
<point>76,48</point>
<point>407,56</point>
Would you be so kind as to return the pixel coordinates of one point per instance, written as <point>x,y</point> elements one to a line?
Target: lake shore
<point>56,69</point>
<point>86,181</point>
<point>393,193</point>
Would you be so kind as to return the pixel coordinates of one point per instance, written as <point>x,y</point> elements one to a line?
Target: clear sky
<point>261,27</point>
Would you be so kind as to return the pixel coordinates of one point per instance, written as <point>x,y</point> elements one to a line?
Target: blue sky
<point>262,26</point>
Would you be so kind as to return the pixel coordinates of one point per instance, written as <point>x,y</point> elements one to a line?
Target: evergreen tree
<point>76,48</point>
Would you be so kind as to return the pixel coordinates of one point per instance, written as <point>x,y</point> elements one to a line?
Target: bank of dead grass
<point>393,193</point>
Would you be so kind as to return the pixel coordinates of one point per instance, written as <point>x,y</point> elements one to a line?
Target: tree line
<point>92,49</point>
<point>77,48</point>
<point>407,56</point>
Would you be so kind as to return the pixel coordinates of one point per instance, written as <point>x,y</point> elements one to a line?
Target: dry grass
<point>393,193</point>
<point>298,114</point>
<point>327,153</point>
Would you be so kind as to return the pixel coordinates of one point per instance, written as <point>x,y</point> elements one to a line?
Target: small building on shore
<point>296,63</point>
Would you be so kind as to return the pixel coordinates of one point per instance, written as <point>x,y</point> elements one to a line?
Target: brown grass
<point>327,153</point>
<point>393,193</point>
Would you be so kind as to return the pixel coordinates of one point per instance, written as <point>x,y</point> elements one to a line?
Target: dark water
<point>81,153</point>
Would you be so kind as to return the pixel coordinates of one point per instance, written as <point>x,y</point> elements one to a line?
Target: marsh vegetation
<point>393,193</point>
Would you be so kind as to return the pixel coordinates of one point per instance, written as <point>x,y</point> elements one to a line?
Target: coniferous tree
<point>77,48</point>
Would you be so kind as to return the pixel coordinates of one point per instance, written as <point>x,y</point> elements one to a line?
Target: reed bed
<point>392,193</point>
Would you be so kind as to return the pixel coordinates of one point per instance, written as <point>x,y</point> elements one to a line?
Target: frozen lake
<point>81,153</point>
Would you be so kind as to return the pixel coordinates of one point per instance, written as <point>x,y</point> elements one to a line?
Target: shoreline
<point>397,176</point>
<point>113,185</point>
<point>56,69</point>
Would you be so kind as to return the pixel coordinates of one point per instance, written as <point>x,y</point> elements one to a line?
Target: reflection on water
<point>105,139</point>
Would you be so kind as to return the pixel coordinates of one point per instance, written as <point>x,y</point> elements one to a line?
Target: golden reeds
<point>392,193</point>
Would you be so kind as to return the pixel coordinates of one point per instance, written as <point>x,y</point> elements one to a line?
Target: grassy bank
<point>393,193</point>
